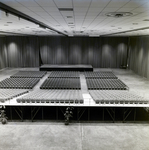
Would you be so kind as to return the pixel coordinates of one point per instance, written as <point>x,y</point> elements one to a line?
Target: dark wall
<point>23,51</point>
<point>99,52</point>
<point>139,55</point>
<point>3,53</point>
<point>32,51</point>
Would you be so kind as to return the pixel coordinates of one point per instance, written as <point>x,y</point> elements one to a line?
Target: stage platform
<point>48,67</point>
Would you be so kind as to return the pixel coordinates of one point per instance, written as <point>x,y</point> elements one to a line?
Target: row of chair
<point>122,97</point>
<point>7,94</point>
<point>105,84</point>
<point>29,74</point>
<point>61,83</point>
<point>100,75</point>
<point>19,83</point>
<point>52,96</point>
<point>64,74</point>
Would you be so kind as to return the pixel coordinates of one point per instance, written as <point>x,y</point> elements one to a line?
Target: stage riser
<point>81,68</point>
<point>64,69</point>
<point>87,114</point>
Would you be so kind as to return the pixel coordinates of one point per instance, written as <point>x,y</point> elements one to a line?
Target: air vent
<point>118,14</point>
<point>65,9</point>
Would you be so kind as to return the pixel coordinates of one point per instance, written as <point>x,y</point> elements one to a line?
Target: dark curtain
<point>23,51</point>
<point>3,53</point>
<point>139,55</point>
<point>100,52</point>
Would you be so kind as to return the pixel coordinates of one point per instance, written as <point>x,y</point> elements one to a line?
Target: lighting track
<point>19,14</point>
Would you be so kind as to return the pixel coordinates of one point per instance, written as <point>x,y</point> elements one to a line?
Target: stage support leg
<point>111,112</point>
<point>103,114</point>
<point>80,113</point>
<point>56,113</point>
<point>19,112</point>
<point>88,114</point>
<point>126,113</point>
<point>34,111</point>
<point>135,114</point>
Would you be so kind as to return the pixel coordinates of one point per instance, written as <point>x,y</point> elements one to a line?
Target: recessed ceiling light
<point>5,24</point>
<point>70,23</point>
<point>26,27</point>
<point>9,22</point>
<point>112,26</point>
<point>65,9</point>
<point>69,16</point>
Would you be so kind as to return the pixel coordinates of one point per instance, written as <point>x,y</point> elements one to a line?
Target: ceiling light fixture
<point>69,16</point>
<point>65,9</point>
<point>118,14</point>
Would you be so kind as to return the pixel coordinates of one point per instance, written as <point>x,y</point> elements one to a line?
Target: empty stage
<point>48,67</point>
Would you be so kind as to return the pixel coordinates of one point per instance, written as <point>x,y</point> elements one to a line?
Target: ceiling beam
<point>19,14</point>
<point>126,31</point>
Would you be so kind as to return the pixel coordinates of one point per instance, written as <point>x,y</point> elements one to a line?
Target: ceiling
<point>76,17</point>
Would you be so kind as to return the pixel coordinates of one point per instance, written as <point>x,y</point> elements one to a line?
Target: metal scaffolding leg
<point>19,112</point>
<point>111,112</point>
<point>127,112</point>
<point>34,111</point>
<point>103,114</point>
<point>80,113</point>
<point>88,114</point>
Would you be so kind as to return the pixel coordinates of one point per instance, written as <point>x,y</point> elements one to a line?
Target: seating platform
<point>81,67</point>
<point>105,84</point>
<point>52,96</point>
<point>29,74</point>
<point>61,83</point>
<point>64,74</point>
<point>116,97</point>
<point>7,94</point>
<point>100,75</point>
<point>19,83</point>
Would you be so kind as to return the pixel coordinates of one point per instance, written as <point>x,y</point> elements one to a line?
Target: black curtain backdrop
<point>23,51</point>
<point>32,51</point>
<point>139,55</point>
<point>99,52</point>
<point>3,53</point>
